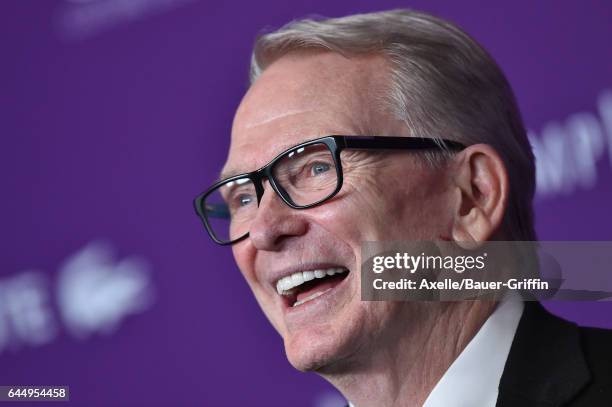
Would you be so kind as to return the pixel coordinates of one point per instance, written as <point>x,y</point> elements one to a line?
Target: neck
<point>401,368</point>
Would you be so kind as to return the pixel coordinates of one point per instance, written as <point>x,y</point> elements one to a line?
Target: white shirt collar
<point>473,378</point>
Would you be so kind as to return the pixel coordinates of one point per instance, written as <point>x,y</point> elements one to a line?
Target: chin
<point>318,349</point>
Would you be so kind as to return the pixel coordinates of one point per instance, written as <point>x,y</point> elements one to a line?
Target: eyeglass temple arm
<point>413,143</point>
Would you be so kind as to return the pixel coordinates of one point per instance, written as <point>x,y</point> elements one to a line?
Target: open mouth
<point>304,286</point>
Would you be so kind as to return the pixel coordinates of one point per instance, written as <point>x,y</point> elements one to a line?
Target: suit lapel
<point>546,365</point>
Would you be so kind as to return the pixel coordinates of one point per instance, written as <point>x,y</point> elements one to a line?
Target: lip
<point>320,305</point>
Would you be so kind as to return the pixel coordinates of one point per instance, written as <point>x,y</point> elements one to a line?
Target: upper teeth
<point>291,281</point>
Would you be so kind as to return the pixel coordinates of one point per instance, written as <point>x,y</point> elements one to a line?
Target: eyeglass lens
<point>305,175</point>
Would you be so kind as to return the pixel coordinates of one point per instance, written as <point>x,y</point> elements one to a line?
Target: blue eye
<point>244,200</point>
<point>320,168</point>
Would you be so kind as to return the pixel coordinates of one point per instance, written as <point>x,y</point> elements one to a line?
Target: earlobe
<point>481,186</point>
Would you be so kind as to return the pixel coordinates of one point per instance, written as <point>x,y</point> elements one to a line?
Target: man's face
<point>385,196</point>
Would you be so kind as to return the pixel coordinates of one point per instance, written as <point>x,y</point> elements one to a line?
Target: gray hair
<point>443,85</point>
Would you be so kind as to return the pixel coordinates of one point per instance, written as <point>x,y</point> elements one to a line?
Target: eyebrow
<point>231,172</point>
<point>225,174</point>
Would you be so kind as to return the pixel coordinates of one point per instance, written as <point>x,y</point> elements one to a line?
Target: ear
<point>481,185</point>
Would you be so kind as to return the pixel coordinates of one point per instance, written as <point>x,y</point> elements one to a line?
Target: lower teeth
<point>312,297</point>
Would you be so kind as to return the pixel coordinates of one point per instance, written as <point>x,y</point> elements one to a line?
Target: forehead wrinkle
<point>271,118</point>
<point>320,78</point>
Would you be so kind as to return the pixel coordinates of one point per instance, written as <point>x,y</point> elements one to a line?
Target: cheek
<point>418,213</point>
<point>244,254</point>
<point>396,209</point>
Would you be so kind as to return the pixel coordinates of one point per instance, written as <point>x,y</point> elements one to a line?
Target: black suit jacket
<point>554,363</point>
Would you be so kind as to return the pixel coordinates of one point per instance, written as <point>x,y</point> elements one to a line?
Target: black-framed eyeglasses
<point>304,176</point>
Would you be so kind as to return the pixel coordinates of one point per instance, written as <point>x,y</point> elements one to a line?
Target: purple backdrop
<point>114,114</point>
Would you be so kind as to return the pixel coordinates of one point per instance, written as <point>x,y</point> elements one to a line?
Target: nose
<point>275,222</point>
